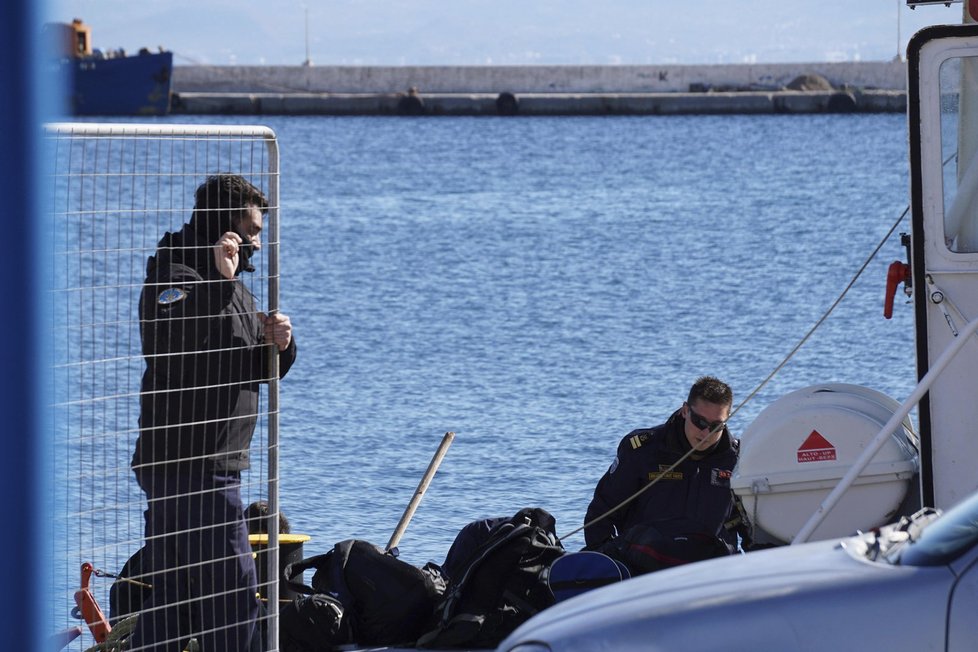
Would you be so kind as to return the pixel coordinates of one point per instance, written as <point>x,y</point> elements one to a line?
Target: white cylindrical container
<point>800,446</point>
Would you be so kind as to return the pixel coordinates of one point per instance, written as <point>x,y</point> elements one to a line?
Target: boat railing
<point>881,437</point>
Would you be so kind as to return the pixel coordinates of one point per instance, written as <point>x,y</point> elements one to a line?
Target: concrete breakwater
<point>539,90</point>
<point>540,103</point>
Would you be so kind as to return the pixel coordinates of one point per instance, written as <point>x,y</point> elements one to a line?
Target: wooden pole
<point>419,492</point>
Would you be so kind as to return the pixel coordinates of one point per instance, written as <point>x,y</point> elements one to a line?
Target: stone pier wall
<point>885,75</point>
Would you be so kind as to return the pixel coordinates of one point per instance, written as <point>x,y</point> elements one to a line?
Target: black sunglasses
<point>702,423</point>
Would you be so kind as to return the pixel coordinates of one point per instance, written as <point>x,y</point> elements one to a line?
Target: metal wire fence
<point>113,192</point>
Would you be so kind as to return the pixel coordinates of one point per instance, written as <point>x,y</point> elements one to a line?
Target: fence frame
<point>67,130</point>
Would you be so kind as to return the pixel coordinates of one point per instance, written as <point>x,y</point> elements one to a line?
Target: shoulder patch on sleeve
<point>171,295</point>
<point>614,466</point>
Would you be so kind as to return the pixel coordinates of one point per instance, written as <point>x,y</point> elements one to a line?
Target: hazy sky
<point>475,32</point>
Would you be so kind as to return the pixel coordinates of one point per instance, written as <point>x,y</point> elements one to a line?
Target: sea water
<point>542,286</point>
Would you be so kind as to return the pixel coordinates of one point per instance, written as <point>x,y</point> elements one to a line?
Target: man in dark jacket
<point>207,349</point>
<point>690,505</point>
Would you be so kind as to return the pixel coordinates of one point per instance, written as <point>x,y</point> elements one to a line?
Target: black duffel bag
<point>313,623</point>
<point>385,601</point>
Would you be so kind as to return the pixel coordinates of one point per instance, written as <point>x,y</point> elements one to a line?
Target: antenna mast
<point>308,61</point>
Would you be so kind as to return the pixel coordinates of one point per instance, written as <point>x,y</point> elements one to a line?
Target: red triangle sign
<point>816,449</point>
<point>815,441</point>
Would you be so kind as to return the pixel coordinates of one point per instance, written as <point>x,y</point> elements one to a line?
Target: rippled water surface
<point>542,286</point>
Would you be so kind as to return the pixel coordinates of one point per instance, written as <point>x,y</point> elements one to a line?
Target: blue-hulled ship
<point>111,83</point>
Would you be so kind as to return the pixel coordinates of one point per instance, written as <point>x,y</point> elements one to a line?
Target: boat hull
<point>136,85</point>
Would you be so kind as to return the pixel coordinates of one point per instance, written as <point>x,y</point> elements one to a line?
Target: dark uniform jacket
<point>694,497</point>
<point>205,357</point>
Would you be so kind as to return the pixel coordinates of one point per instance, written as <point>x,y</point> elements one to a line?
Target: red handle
<point>897,273</point>
<point>88,606</point>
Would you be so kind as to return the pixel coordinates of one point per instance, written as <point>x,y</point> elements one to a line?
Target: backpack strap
<point>470,615</point>
<point>453,634</point>
<point>503,534</point>
<point>297,568</point>
<point>337,571</point>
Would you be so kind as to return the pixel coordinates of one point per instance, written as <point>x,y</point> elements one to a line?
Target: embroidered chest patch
<point>665,475</point>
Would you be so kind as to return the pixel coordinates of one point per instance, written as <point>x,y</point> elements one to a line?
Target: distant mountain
<point>467,32</point>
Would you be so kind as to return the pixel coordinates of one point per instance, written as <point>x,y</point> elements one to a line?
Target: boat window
<point>945,539</point>
<point>959,133</point>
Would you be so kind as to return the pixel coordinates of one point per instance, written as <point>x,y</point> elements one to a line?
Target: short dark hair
<point>256,516</point>
<point>711,390</point>
<point>220,199</point>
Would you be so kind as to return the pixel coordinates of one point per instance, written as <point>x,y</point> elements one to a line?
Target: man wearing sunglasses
<point>688,503</point>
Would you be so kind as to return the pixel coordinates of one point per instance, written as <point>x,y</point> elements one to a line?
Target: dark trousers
<point>204,583</point>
